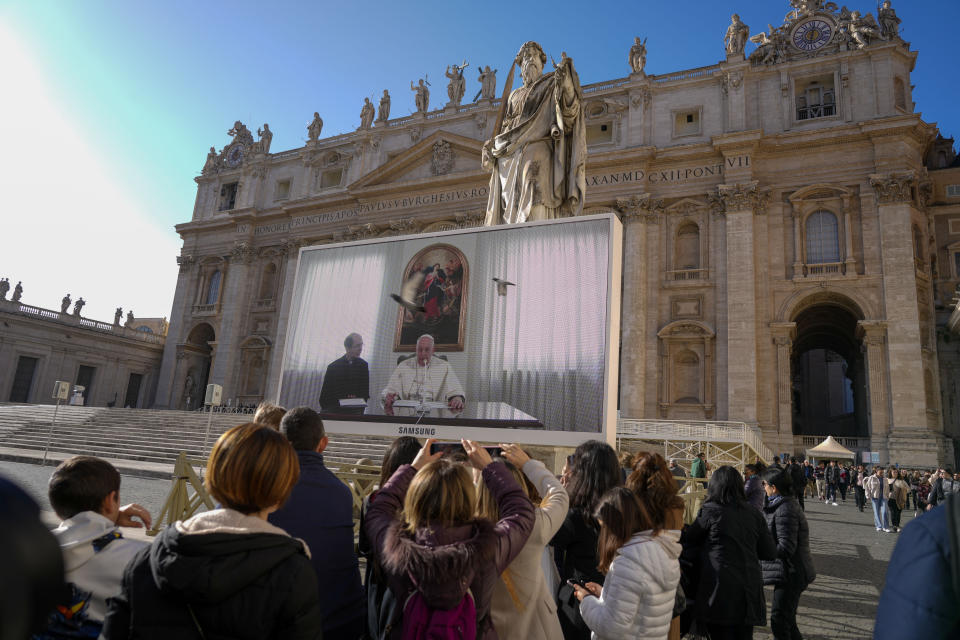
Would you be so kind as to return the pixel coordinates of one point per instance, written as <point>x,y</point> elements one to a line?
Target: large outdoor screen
<point>523,325</point>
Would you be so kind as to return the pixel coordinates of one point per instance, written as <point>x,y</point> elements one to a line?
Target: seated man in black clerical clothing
<point>346,377</point>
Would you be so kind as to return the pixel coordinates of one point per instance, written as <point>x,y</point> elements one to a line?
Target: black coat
<point>254,586</point>
<point>728,542</point>
<point>790,531</point>
<point>575,546</point>
<point>797,479</point>
<point>344,378</point>
<point>832,474</point>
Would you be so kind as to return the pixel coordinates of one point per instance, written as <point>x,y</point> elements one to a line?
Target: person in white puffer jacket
<point>640,558</point>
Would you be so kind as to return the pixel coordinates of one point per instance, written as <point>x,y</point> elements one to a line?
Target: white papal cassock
<point>437,378</point>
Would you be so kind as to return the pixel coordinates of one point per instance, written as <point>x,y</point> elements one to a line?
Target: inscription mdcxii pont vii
<point>637,176</point>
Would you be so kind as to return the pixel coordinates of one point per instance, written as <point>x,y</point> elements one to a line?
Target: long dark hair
<point>619,511</point>
<point>402,451</point>
<point>655,489</point>
<point>594,470</point>
<point>726,487</point>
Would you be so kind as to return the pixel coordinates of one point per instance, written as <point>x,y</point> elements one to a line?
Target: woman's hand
<point>515,455</point>
<point>589,589</point>
<point>479,457</point>
<point>424,457</point>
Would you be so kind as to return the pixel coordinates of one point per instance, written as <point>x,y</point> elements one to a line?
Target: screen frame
<point>609,413</point>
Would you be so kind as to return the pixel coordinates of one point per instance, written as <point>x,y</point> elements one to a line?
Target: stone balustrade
<point>68,319</point>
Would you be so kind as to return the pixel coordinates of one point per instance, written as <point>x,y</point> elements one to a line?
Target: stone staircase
<point>148,438</point>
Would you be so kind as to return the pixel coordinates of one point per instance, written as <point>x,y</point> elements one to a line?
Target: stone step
<point>142,436</point>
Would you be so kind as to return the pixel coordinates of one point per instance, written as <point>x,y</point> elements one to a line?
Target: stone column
<point>873,334</point>
<point>783,335</point>
<point>285,295</point>
<point>797,246</point>
<point>637,212</point>
<point>233,306</point>
<point>739,203</point>
<point>913,439</point>
<point>176,333</point>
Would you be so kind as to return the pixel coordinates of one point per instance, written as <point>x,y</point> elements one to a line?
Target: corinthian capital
<point>243,252</point>
<point>894,187</point>
<point>740,197</point>
<point>640,207</point>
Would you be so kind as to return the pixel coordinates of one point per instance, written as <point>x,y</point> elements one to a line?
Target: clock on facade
<point>235,156</point>
<point>812,34</point>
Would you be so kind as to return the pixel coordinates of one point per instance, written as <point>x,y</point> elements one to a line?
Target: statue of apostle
<point>537,156</point>
<point>315,127</point>
<point>638,55</point>
<point>736,37</point>
<point>422,97</point>
<point>366,114</point>
<point>457,85</point>
<point>384,114</point>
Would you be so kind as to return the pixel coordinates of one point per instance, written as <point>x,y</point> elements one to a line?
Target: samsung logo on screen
<point>417,431</point>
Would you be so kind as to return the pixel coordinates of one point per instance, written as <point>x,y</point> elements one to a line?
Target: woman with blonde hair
<point>226,572</point>
<point>436,555</point>
<point>522,601</point>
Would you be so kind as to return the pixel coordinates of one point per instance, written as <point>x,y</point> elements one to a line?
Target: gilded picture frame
<point>442,296</point>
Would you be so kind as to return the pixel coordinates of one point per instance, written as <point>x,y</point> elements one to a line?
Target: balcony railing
<point>679,275</point>
<point>78,321</point>
<point>824,269</point>
<point>863,444</point>
<point>205,309</point>
<point>816,111</point>
<point>265,304</point>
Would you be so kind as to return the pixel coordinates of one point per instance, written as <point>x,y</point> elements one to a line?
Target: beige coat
<point>526,609</point>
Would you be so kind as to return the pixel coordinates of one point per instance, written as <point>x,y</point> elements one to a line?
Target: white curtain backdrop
<point>542,345</point>
<point>338,291</point>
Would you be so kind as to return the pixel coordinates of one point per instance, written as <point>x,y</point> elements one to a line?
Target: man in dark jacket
<point>320,512</point>
<point>919,599</point>
<point>832,476</point>
<point>942,487</point>
<point>798,479</point>
<point>347,377</point>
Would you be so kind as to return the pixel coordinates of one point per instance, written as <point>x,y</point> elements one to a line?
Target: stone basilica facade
<point>791,234</point>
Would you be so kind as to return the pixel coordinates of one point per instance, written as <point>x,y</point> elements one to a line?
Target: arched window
<point>213,287</point>
<point>686,381</point>
<point>268,281</point>
<point>687,250</point>
<point>823,242</point>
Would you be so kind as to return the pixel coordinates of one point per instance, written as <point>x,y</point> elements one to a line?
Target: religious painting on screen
<point>441,296</point>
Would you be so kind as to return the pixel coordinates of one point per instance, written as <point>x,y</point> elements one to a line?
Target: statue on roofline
<point>315,127</point>
<point>457,85</point>
<point>638,55</point>
<point>736,37</point>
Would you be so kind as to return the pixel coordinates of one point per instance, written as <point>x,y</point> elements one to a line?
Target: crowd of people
<point>456,545</point>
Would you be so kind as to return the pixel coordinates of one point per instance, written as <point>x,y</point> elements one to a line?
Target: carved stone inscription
<point>669,176</point>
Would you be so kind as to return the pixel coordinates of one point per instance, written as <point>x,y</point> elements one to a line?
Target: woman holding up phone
<point>436,549</point>
<point>522,602</point>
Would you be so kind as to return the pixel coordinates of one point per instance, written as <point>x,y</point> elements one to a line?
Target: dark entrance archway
<point>828,373</point>
<point>198,351</point>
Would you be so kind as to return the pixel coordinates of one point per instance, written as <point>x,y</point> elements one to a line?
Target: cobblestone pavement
<point>851,558</point>
<point>850,555</point>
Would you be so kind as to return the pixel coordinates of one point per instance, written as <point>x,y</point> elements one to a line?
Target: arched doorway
<point>828,373</point>
<point>197,352</point>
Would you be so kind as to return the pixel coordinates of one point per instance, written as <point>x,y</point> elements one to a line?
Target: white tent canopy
<point>830,449</point>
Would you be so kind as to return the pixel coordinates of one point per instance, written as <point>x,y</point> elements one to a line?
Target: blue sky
<point>113,105</point>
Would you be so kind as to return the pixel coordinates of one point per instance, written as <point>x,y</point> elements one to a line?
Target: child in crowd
<point>85,493</point>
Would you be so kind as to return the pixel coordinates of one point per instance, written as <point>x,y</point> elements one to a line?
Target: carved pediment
<point>439,154</point>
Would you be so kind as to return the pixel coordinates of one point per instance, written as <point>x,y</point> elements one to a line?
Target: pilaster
<point>783,335</point>
<point>738,203</point>
<point>225,359</point>
<point>874,337</point>
<point>176,333</point>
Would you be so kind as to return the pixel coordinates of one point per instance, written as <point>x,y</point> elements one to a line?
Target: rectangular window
<point>331,178</point>
<point>228,196</point>
<point>132,398</point>
<point>953,226</point>
<point>686,123</point>
<point>600,133</point>
<point>816,98</point>
<point>953,191</point>
<point>282,192</point>
<point>23,379</point>
<point>85,379</point>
